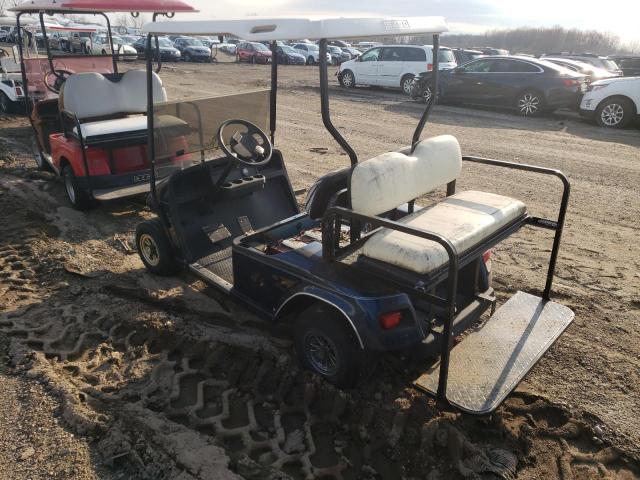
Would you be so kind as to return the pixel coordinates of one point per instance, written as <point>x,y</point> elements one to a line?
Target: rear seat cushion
<point>465,219</point>
<point>129,127</point>
<point>90,95</point>
<point>386,181</point>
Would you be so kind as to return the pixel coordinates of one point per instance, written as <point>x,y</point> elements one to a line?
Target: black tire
<point>6,104</point>
<point>615,112</point>
<point>320,325</point>
<point>154,248</point>
<point>187,57</point>
<point>78,197</point>
<point>347,79</point>
<point>310,61</point>
<point>406,84</point>
<point>253,59</point>
<point>530,103</point>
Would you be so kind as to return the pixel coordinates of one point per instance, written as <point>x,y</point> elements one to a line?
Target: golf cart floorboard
<point>219,264</point>
<point>491,360</point>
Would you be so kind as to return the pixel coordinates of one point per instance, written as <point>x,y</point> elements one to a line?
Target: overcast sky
<point>621,17</point>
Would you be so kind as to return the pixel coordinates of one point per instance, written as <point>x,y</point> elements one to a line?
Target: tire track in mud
<point>274,421</point>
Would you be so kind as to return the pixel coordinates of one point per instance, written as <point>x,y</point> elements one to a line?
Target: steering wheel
<point>60,75</point>
<point>249,146</point>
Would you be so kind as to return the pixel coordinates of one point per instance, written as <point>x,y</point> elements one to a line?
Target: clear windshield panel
<point>185,131</point>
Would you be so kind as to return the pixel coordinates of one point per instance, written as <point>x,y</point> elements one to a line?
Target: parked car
<point>5,32</point>
<point>338,43</point>
<point>595,60</point>
<point>613,103</point>
<point>229,48</point>
<point>393,66</point>
<point>337,55</point>
<point>491,50</point>
<point>168,53</point>
<point>591,72</point>
<point>464,55</point>
<point>192,49</point>
<point>253,52</point>
<point>58,41</point>
<point>528,85</point>
<point>289,56</point>
<point>80,42</point>
<point>100,46</point>
<point>629,64</point>
<point>128,39</point>
<point>311,52</point>
<point>354,52</point>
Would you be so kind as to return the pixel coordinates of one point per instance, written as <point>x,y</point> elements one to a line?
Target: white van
<point>393,66</point>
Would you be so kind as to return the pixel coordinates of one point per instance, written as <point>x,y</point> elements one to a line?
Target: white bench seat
<point>127,128</point>
<point>465,219</point>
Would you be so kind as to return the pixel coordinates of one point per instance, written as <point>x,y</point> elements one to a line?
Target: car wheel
<point>310,61</point>
<point>530,103</point>
<point>347,79</point>
<point>327,346</point>
<point>187,57</point>
<point>406,84</point>
<point>78,196</point>
<point>6,105</point>
<point>426,94</point>
<point>154,248</point>
<point>253,59</point>
<point>615,113</point>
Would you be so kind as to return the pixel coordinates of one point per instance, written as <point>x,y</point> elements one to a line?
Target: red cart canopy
<point>160,6</point>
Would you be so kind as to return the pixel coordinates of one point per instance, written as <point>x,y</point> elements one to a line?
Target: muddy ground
<point>108,372</point>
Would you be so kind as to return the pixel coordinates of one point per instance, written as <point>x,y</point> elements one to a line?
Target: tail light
<point>429,67</point>
<point>486,256</point>
<point>390,320</point>
<point>569,82</point>
<point>19,91</point>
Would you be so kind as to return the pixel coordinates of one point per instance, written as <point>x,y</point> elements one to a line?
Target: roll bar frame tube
<point>434,93</point>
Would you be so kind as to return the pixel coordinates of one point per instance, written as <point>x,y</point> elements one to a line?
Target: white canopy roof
<point>259,29</point>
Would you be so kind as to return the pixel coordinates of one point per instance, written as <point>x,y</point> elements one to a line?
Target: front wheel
<point>77,195</point>
<point>530,103</point>
<point>347,79</point>
<point>187,57</point>
<point>6,105</point>
<point>310,61</point>
<point>615,113</point>
<point>326,345</point>
<point>407,84</point>
<point>154,248</point>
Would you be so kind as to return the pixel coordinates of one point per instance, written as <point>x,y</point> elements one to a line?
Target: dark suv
<point>629,64</point>
<point>528,85</point>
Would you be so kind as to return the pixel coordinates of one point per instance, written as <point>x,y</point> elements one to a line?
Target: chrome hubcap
<point>68,185</point>
<point>426,95</point>
<point>406,86</point>
<point>149,249</point>
<point>347,79</point>
<point>612,114</point>
<point>529,104</point>
<point>322,354</point>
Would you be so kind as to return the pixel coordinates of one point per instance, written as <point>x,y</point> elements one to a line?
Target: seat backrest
<point>391,179</point>
<point>9,65</point>
<point>91,94</point>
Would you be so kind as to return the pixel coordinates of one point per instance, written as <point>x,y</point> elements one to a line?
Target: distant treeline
<point>534,41</point>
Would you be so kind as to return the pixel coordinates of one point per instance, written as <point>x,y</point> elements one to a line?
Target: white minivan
<point>393,66</point>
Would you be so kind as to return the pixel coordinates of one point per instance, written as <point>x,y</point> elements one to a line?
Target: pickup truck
<point>80,42</point>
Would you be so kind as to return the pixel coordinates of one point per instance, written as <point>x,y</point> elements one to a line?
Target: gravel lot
<point>139,368</point>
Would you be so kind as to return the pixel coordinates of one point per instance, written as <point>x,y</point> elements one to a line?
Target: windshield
<point>165,42</point>
<point>192,42</point>
<point>289,50</point>
<point>610,64</point>
<point>334,49</point>
<point>85,34</point>
<point>311,46</point>
<point>185,131</point>
<point>260,46</point>
<point>116,39</point>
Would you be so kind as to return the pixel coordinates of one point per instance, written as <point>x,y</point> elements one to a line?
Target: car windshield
<point>259,46</point>
<point>192,42</point>
<point>334,49</point>
<point>287,49</point>
<point>311,46</point>
<point>85,34</point>
<point>610,64</point>
<point>165,42</point>
<point>115,38</point>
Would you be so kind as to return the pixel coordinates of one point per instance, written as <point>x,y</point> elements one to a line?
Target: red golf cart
<point>89,119</point>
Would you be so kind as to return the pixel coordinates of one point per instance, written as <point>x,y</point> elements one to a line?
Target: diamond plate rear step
<point>491,360</point>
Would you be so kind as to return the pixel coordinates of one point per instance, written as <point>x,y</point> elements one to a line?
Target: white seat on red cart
<point>465,219</point>
<point>91,96</point>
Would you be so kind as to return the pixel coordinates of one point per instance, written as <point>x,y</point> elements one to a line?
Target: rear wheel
<point>154,248</point>
<point>326,345</point>
<point>615,113</point>
<point>77,195</point>
<point>253,59</point>
<point>530,103</point>
<point>406,84</point>
<point>310,60</point>
<point>347,79</point>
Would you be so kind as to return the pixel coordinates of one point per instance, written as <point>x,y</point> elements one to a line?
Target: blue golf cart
<point>362,269</point>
